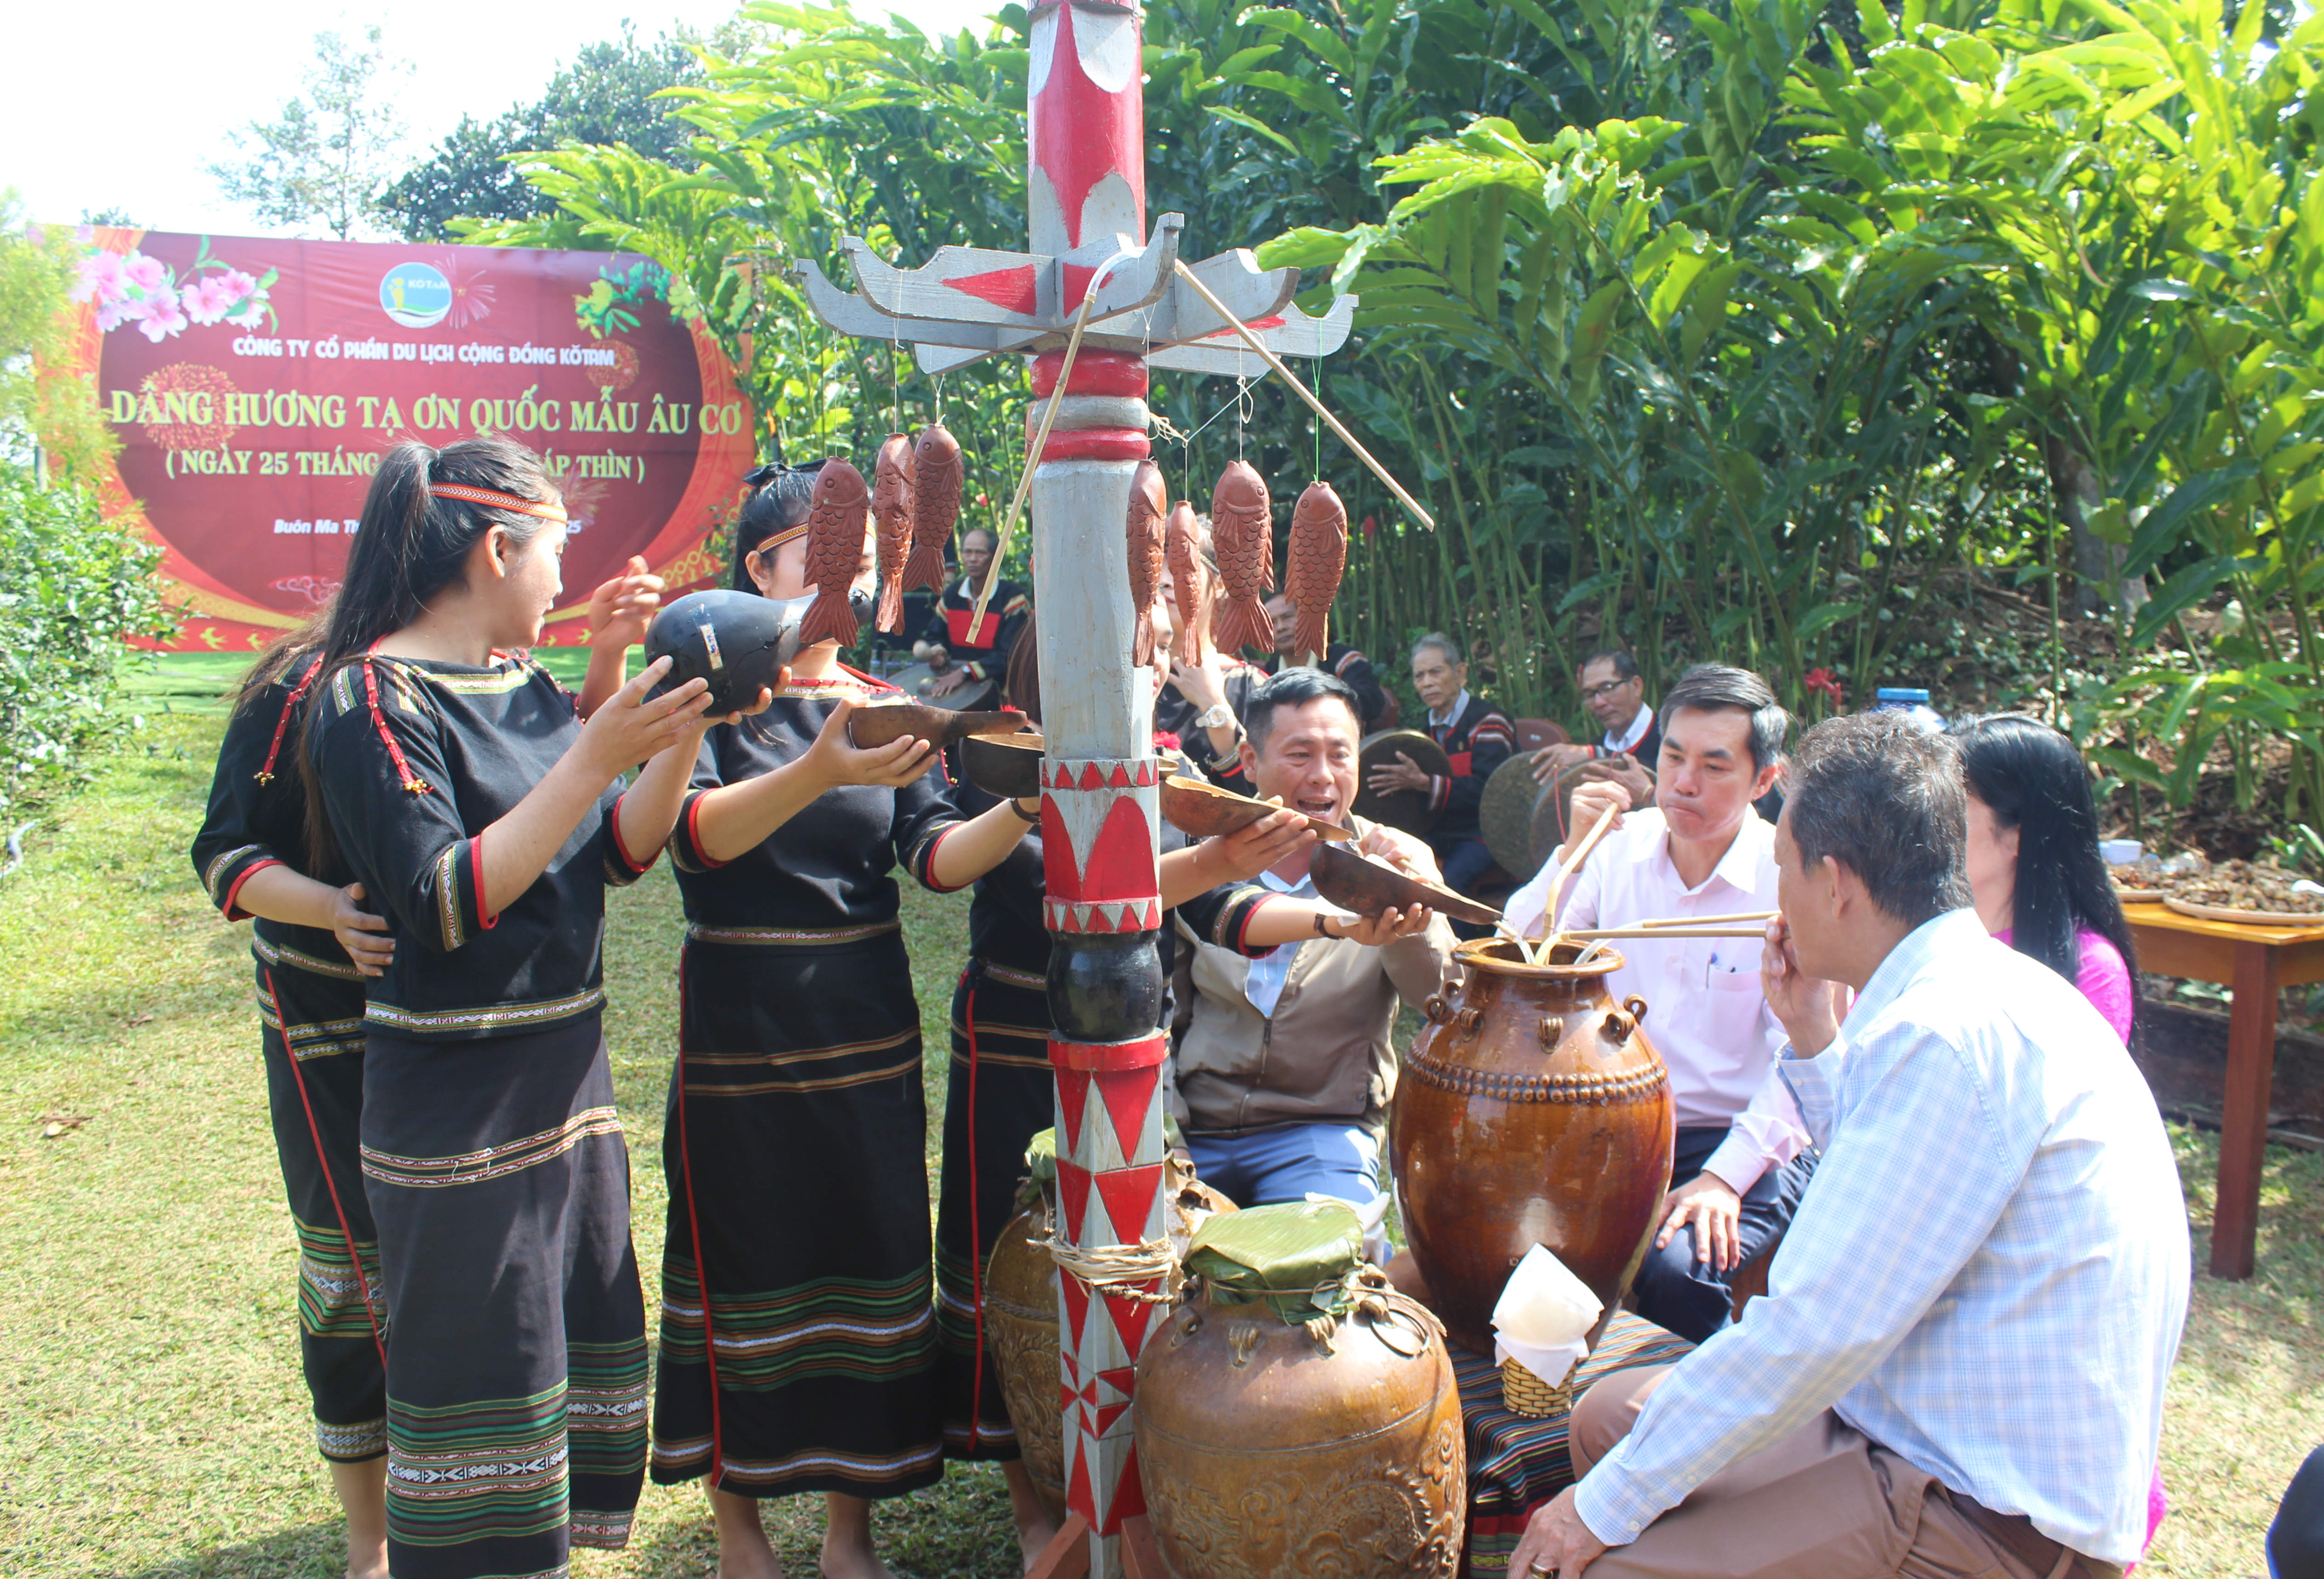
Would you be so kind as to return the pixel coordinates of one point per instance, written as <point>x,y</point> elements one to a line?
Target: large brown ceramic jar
<point>1531,1109</point>
<point>1329,1450</point>
<point>1020,1333</point>
<point>1020,1323</point>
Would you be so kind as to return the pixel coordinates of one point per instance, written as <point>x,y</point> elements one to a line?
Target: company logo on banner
<point>254,384</point>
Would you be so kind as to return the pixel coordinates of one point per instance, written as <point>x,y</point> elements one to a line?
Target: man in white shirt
<point>1958,1370</point>
<point>1738,1165</point>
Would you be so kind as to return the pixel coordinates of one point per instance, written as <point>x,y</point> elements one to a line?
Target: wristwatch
<point>1218,715</point>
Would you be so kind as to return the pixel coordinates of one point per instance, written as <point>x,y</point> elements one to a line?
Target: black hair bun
<point>737,641</point>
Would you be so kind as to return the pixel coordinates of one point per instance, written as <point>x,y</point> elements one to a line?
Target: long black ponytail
<point>2034,781</point>
<point>412,544</point>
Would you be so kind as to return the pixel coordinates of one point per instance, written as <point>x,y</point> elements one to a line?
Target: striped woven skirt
<point>799,1220</point>
<point>516,1383</point>
<point>313,1045</point>
<point>999,1094</point>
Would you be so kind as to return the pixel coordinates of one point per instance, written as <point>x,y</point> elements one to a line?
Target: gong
<point>973,696</point>
<point>1507,814</point>
<point>1406,809</point>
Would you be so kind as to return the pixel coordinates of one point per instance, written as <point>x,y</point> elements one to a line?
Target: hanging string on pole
<point>1299,389</point>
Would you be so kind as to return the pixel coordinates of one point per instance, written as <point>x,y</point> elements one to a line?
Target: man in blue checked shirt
<point>1958,1369</point>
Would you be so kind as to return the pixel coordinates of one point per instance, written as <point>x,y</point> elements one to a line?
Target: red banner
<point>254,384</point>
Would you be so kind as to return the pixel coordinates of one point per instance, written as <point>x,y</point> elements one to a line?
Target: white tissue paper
<point>1544,1318</point>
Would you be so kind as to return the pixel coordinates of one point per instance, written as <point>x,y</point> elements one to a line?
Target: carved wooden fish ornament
<point>1319,557</point>
<point>1182,542</point>
<point>1149,501</point>
<point>935,505</point>
<point>891,509</point>
<point>836,519</point>
<point>1242,537</point>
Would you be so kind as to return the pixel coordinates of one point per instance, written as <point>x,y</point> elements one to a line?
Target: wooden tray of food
<point>1203,811</point>
<point>2244,917</point>
<point>2251,892</point>
<point>1353,880</point>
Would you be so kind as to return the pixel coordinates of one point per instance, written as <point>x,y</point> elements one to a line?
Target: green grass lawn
<point>153,1422</point>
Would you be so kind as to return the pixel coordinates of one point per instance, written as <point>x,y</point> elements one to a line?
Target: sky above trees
<point>130,118</point>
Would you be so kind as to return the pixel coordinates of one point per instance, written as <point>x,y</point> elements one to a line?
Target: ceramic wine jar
<point>1277,1451</point>
<point>1531,1109</point>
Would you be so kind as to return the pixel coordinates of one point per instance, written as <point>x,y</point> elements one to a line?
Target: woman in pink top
<point>2039,883</point>
<point>2033,862</point>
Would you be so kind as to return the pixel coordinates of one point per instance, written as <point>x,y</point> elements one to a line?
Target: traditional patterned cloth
<point>516,1418</point>
<point>983,648</point>
<point>794,1139</point>
<point>493,1162</point>
<point>310,1004</point>
<point>1517,1461</point>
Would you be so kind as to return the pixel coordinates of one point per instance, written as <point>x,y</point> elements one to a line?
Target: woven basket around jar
<point>1524,1393</point>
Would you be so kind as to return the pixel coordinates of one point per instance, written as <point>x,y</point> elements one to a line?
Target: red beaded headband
<point>493,499</point>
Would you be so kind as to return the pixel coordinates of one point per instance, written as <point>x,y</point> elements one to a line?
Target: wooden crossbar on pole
<point>1301,390</point>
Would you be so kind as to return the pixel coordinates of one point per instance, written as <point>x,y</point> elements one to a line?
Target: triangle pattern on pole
<point>1073,1193</point>
<point>1130,1195</point>
<point>1130,1095</point>
<point>1073,1095</point>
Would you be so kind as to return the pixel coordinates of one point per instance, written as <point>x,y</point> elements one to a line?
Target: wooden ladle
<point>1353,880</point>
<point>877,724</point>
<point>1205,811</point>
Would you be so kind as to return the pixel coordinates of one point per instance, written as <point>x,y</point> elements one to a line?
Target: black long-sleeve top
<point>831,867</point>
<point>1351,665</point>
<point>1479,741</point>
<point>984,647</point>
<point>415,760</point>
<point>1174,714</point>
<point>257,819</point>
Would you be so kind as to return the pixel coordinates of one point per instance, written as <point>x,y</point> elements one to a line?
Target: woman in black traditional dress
<point>797,1121</point>
<point>999,1090</point>
<point>485,821</point>
<point>314,944</point>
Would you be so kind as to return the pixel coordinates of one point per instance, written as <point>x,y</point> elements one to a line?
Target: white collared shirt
<point>1446,720</point>
<point>1988,1275</point>
<point>1706,1014</point>
<point>1643,721</point>
<point>1271,971</point>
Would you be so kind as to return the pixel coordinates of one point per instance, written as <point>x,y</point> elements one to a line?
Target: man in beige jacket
<point>1285,1063</point>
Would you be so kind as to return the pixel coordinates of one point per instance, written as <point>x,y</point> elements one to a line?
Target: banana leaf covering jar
<point>1298,1417</point>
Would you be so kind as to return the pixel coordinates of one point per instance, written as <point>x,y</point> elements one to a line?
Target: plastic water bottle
<point>1910,701</point>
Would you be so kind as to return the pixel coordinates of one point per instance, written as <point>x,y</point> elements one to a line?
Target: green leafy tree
<point>322,163</point>
<point>42,402</point>
<point>605,96</point>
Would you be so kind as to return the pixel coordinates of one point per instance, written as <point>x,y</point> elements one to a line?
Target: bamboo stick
<point>1539,953</point>
<point>1593,934</point>
<point>1299,389</point>
<point>1708,920</point>
<point>1033,455</point>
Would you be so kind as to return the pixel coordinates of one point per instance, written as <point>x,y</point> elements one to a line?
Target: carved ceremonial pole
<point>1100,804</point>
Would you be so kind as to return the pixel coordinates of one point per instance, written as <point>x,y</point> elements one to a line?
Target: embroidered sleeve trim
<point>924,861</point>
<point>619,867</point>
<point>686,840</point>
<point>233,912</point>
<point>220,866</point>
<point>1439,791</point>
<point>448,911</point>
<point>487,919</point>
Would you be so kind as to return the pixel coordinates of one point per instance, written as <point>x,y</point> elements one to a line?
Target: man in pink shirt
<point>1739,1167</point>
